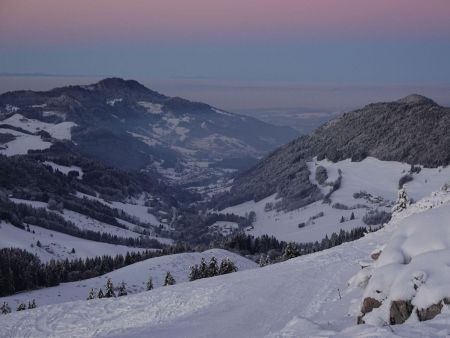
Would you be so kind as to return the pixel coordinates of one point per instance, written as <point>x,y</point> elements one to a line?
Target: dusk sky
<point>320,41</point>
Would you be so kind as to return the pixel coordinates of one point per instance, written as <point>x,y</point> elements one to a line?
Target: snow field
<point>135,276</point>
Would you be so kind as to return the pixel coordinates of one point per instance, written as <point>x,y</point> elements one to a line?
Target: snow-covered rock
<point>411,275</point>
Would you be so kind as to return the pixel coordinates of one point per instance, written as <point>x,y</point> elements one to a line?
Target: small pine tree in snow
<point>100,294</point>
<point>342,219</point>
<point>91,295</point>
<point>203,269</point>
<point>5,309</point>
<point>352,216</point>
<point>32,304</point>
<point>291,251</point>
<point>122,290</point>
<point>213,268</point>
<point>21,307</point>
<point>262,260</point>
<point>149,284</point>
<point>227,266</point>
<point>193,273</point>
<point>402,201</point>
<point>109,289</point>
<point>169,280</point>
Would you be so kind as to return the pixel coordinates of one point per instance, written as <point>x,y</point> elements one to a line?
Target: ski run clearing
<point>307,296</point>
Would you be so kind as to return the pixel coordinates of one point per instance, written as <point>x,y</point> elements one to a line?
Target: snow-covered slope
<point>303,297</point>
<point>25,134</point>
<point>60,131</point>
<point>55,245</point>
<point>412,267</point>
<point>135,276</point>
<point>378,178</point>
<point>126,125</point>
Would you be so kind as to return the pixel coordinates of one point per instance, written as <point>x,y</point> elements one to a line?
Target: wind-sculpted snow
<point>413,264</point>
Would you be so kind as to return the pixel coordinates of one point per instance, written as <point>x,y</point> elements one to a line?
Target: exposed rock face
<point>400,311</point>
<point>430,312</point>
<point>368,305</point>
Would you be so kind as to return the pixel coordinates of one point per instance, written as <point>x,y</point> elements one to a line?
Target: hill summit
<point>413,129</point>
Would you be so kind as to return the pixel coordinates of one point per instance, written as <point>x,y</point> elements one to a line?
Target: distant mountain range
<point>126,125</point>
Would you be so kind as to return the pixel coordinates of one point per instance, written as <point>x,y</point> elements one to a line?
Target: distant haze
<point>375,42</point>
<point>302,106</point>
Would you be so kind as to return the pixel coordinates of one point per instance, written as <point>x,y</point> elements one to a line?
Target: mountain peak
<point>416,99</point>
<point>116,82</point>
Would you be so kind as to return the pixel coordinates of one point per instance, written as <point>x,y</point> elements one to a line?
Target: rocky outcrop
<point>400,311</point>
<point>368,305</point>
<point>430,312</point>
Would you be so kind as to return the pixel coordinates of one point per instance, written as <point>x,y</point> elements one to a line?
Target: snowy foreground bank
<point>304,297</point>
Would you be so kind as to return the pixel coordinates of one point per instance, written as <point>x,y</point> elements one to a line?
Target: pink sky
<point>56,21</point>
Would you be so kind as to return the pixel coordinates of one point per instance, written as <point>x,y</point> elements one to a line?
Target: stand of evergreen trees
<point>203,270</point>
<point>275,250</point>
<point>21,214</point>
<point>22,271</point>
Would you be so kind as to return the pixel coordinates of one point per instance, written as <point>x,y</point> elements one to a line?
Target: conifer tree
<point>91,294</point>
<point>149,284</point>
<point>352,216</point>
<point>227,266</point>
<point>342,219</point>
<point>402,201</point>
<point>5,309</point>
<point>262,260</point>
<point>193,273</point>
<point>32,305</point>
<point>291,251</point>
<point>109,293</point>
<point>21,307</point>
<point>169,280</point>
<point>122,290</point>
<point>100,294</point>
<point>203,269</point>
<point>213,268</point>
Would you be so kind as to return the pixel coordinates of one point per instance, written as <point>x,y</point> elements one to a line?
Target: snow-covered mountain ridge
<point>124,124</point>
<point>302,297</point>
<point>411,130</point>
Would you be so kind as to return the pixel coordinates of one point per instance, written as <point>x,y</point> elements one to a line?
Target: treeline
<point>113,183</point>
<point>21,271</point>
<point>203,270</point>
<point>274,250</point>
<point>21,214</point>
